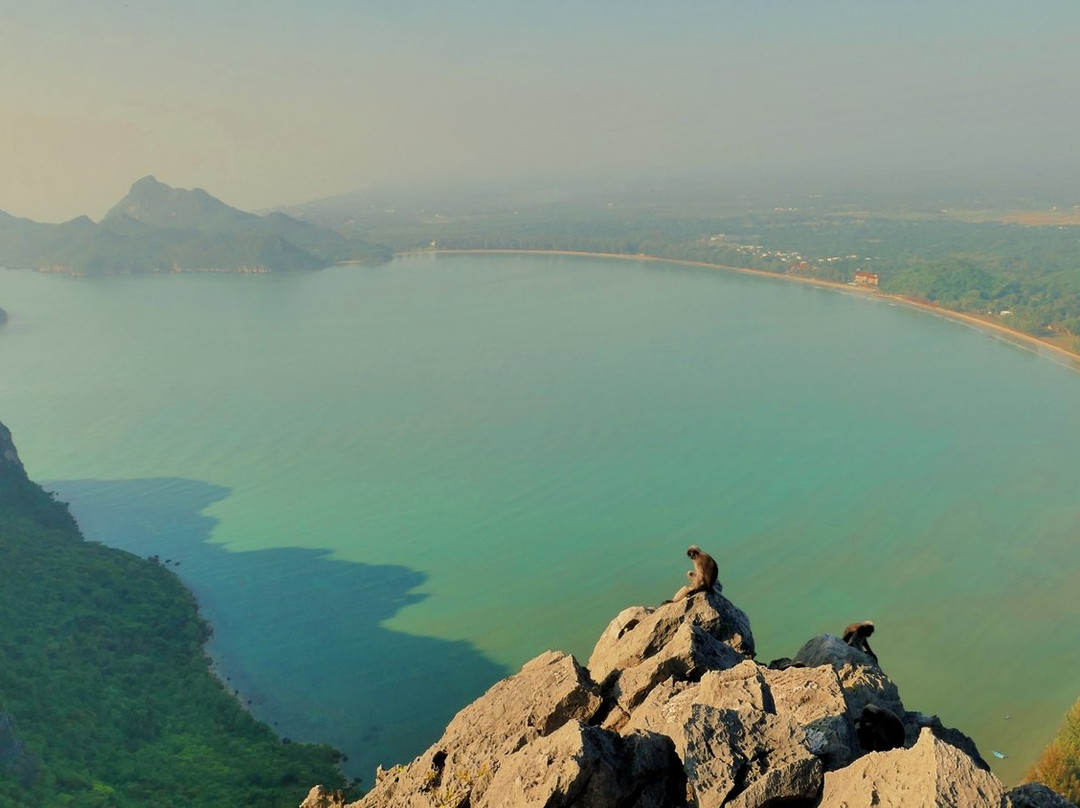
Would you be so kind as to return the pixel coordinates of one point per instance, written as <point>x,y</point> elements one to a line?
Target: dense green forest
<point>923,252</point>
<point>106,696</point>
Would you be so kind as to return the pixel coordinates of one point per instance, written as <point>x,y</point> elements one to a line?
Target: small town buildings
<point>867,279</point>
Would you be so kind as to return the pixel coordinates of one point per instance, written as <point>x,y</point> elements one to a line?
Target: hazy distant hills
<point>157,228</point>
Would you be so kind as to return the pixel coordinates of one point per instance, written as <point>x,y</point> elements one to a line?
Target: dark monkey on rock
<point>879,729</point>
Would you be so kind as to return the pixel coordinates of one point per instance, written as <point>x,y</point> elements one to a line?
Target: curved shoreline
<point>1020,338</point>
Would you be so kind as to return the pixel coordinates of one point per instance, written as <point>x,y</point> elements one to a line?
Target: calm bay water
<point>390,487</point>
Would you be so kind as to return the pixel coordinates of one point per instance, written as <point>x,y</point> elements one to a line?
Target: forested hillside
<point>106,697</point>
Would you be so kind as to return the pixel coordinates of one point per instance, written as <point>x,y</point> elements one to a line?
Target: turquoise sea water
<point>389,487</point>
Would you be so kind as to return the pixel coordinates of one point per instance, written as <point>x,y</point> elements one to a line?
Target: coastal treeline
<point>106,695</point>
<point>1059,764</point>
<point>1026,276</point>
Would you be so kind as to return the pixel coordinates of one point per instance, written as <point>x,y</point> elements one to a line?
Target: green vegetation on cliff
<point>106,696</point>
<point>1059,765</point>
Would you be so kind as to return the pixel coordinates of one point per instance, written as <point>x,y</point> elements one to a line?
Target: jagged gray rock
<point>689,654</point>
<point>550,691</point>
<point>735,749</point>
<point>826,649</point>
<point>930,773</point>
<point>639,633</point>
<point>861,678</point>
<point>916,721</point>
<point>1034,795</point>
<point>642,647</point>
<point>815,699</point>
<point>676,713</point>
<point>8,455</point>
<point>868,685</point>
<point>588,767</point>
<point>322,797</point>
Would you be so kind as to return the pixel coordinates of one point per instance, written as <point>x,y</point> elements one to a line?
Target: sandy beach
<point>1070,357</point>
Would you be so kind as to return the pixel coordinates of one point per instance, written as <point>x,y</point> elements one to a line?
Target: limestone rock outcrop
<point>931,773</point>
<point>589,767</point>
<point>550,692</point>
<point>672,710</point>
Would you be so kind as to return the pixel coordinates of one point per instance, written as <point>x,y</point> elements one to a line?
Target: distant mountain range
<point>157,228</point>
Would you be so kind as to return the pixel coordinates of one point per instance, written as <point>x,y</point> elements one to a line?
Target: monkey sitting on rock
<point>855,635</point>
<point>702,578</point>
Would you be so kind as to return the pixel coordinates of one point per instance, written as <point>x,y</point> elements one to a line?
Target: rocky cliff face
<point>18,494</point>
<point>672,710</point>
<point>9,458</point>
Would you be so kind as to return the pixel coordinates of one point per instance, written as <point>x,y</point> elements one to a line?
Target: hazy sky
<point>272,102</point>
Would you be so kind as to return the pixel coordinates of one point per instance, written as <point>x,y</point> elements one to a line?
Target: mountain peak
<point>148,180</point>
<point>155,203</point>
<point>148,186</point>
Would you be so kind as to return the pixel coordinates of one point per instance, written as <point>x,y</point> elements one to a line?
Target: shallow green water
<point>389,487</point>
